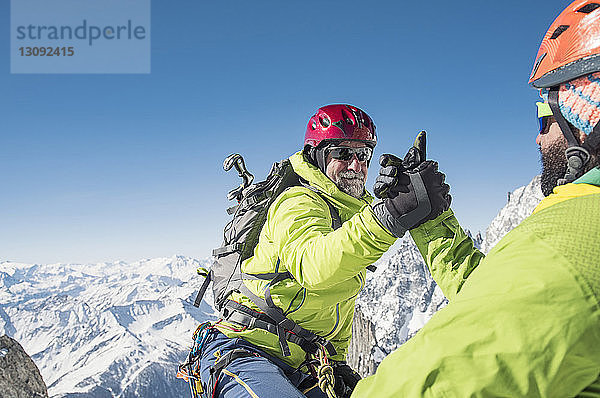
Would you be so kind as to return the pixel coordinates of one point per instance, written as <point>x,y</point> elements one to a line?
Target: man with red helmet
<point>525,320</point>
<point>316,243</point>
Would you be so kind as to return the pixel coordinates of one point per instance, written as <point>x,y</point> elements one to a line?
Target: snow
<point>400,297</point>
<point>108,324</point>
<point>521,203</point>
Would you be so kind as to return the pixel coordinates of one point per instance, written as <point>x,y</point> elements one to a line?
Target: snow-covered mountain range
<point>102,330</point>
<point>120,329</point>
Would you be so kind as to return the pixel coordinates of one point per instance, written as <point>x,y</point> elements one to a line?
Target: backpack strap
<point>268,276</point>
<point>202,290</point>
<point>336,220</point>
<point>228,249</point>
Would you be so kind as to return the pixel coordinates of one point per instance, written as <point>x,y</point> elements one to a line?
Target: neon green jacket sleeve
<point>448,252</point>
<point>525,323</point>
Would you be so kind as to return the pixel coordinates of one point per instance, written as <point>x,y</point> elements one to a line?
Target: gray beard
<point>554,166</point>
<point>351,183</point>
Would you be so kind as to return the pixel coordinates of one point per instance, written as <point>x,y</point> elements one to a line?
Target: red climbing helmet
<point>571,47</point>
<point>340,122</point>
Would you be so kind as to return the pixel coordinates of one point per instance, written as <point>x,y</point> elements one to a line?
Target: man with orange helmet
<point>567,72</point>
<point>525,320</point>
<point>299,287</point>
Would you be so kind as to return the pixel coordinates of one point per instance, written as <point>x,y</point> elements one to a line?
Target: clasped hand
<point>412,190</point>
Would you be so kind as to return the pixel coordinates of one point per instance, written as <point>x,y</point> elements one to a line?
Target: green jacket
<point>328,267</point>
<point>522,322</point>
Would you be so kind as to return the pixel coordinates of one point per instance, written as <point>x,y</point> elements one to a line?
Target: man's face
<point>350,176</point>
<point>552,145</point>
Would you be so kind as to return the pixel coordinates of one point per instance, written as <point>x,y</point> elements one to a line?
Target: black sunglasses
<point>363,154</point>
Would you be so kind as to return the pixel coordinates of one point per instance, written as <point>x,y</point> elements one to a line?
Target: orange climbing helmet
<point>571,47</point>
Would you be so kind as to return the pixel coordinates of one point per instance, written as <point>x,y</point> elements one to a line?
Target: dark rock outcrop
<point>19,377</point>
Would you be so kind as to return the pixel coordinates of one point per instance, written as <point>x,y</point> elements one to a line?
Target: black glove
<point>391,176</point>
<point>426,198</point>
<point>392,173</point>
<point>417,154</point>
<point>345,379</point>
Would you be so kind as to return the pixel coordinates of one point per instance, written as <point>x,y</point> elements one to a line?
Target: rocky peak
<point>19,377</point>
<point>521,203</point>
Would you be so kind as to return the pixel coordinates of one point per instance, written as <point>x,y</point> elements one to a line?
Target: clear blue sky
<point>108,167</point>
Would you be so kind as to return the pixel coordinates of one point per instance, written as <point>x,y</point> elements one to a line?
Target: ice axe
<point>236,160</point>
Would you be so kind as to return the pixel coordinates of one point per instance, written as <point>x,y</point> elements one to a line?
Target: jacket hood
<point>592,177</point>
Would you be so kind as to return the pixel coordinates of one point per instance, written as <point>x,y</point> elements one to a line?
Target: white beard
<point>351,182</point>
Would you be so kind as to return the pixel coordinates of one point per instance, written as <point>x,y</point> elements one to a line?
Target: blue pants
<point>261,376</point>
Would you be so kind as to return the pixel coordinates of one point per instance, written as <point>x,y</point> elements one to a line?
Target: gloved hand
<point>392,173</point>
<point>391,176</point>
<point>345,379</point>
<point>424,198</point>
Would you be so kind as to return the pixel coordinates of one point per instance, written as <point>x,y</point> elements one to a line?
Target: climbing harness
<point>317,363</point>
<point>190,369</point>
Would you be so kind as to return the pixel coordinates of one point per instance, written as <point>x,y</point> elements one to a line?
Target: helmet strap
<point>578,155</point>
<point>562,122</point>
<point>318,156</point>
<point>321,155</point>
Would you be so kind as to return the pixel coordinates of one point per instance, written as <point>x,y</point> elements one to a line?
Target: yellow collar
<point>566,192</point>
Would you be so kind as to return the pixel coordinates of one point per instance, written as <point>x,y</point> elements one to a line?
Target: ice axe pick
<point>236,160</point>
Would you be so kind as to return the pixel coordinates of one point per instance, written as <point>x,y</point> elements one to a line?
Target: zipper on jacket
<point>362,285</point>
<point>303,290</point>
<point>337,320</point>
